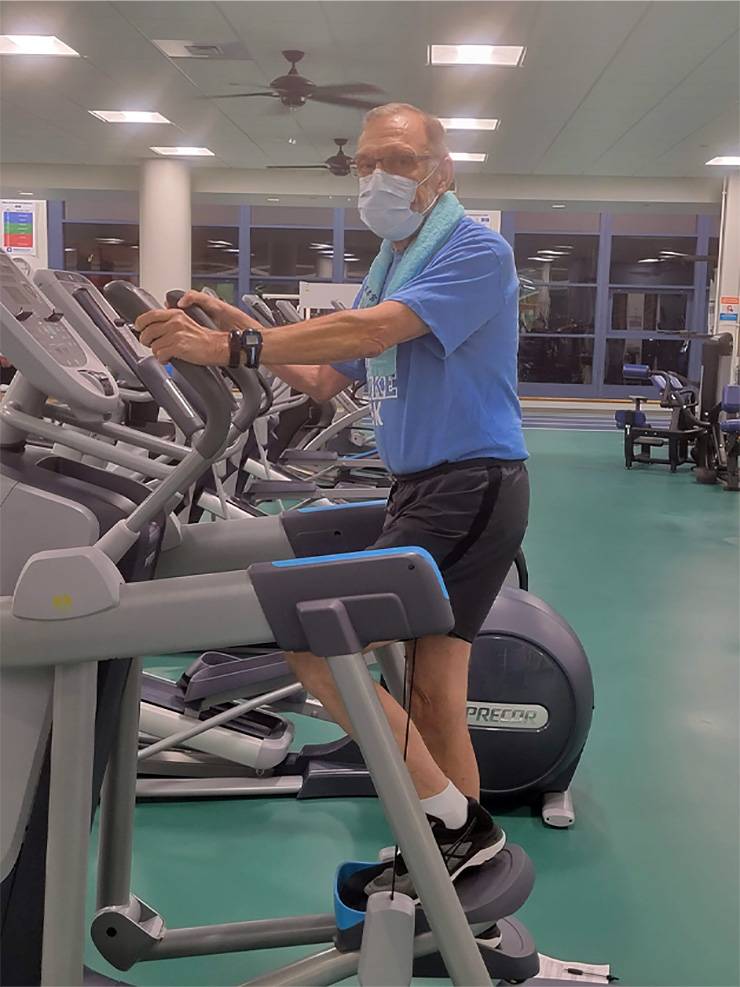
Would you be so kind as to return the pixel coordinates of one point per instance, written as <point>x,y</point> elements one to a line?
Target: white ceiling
<point>606,89</point>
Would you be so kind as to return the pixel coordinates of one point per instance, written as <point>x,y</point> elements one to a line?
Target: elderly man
<point>434,336</point>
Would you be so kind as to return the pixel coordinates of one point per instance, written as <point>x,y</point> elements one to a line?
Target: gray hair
<point>434,130</point>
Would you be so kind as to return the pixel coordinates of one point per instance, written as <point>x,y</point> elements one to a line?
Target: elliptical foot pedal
<point>488,895</point>
<point>507,948</point>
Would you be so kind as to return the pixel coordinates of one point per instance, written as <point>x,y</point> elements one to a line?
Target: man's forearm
<point>300,378</point>
<point>347,335</point>
<point>320,383</point>
<point>341,336</point>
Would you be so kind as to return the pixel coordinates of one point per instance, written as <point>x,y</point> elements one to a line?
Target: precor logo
<point>506,716</point>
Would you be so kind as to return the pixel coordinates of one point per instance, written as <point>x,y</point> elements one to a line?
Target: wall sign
<point>486,217</point>
<point>728,308</point>
<point>24,231</point>
<point>19,229</point>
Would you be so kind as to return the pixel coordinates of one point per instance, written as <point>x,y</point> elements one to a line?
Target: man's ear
<point>447,176</point>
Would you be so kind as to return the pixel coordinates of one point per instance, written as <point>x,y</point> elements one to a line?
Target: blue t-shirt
<point>451,394</point>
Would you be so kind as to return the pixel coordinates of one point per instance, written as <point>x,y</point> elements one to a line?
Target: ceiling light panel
<point>469,123</point>
<point>34,44</point>
<point>129,116</point>
<point>728,160</point>
<point>468,156</point>
<point>184,152</point>
<point>510,55</point>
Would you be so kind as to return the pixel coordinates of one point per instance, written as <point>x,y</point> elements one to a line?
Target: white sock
<point>449,805</point>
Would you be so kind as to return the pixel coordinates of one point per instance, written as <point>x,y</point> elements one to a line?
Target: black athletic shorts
<point>471,517</point>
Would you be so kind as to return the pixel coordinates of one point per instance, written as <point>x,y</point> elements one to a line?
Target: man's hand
<point>171,333</point>
<point>226,316</point>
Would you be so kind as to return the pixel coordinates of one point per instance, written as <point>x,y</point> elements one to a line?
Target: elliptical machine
<point>529,710</point>
<point>220,731</point>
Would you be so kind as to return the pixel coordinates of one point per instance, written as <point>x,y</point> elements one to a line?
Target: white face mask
<point>385,204</point>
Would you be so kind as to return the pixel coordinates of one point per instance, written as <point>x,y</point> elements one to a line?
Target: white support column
<point>728,272</point>
<point>164,226</point>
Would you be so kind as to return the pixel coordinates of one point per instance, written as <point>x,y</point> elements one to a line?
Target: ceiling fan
<point>294,90</point>
<point>338,164</point>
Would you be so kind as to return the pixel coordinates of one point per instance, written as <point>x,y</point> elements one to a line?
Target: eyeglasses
<point>394,162</point>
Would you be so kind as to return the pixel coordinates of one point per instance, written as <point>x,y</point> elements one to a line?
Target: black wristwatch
<point>247,341</point>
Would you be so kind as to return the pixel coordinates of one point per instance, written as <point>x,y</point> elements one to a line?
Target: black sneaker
<point>478,841</point>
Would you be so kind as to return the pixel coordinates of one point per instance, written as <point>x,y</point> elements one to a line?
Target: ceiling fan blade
<point>241,95</point>
<point>359,104</point>
<point>301,167</point>
<point>342,89</point>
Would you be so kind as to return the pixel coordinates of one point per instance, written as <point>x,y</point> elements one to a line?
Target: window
<point>109,247</point>
<point>551,257</point>
<point>556,221</point>
<point>637,311</point>
<point>557,305</point>
<point>554,360</point>
<point>311,217</point>
<point>551,309</point>
<point>360,248</point>
<point>646,260</point>
<point>303,254</point>
<point>215,250</point>
<point>658,354</point>
<point>647,304</point>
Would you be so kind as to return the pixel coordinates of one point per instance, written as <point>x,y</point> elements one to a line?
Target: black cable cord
<point>407,694</point>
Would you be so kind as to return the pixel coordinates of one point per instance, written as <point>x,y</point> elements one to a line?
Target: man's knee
<point>311,671</point>
<point>440,683</point>
<point>438,711</point>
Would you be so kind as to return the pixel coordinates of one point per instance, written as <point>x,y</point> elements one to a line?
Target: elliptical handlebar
<point>251,386</point>
<point>196,313</point>
<point>216,399</point>
<point>259,310</point>
<point>289,312</point>
<point>148,369</point>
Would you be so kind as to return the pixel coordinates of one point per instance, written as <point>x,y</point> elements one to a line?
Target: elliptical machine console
<point>63,366</point>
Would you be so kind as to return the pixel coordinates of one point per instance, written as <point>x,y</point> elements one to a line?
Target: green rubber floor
<point>645,566</point>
